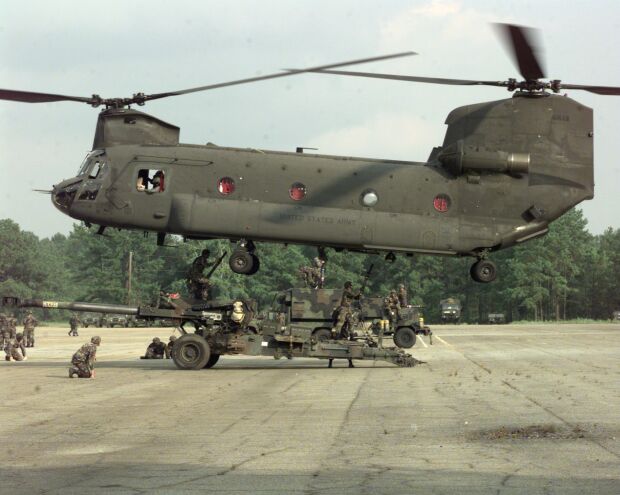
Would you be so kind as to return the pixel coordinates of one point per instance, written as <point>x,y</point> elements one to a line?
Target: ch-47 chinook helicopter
<point>506,169</point>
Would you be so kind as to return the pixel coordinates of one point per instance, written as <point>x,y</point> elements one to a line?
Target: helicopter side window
<point>151,180</point>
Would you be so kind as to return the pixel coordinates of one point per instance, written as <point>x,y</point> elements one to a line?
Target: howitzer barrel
<point>73,306</point>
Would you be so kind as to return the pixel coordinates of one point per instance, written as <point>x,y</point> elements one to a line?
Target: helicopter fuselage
<point>506,170</point>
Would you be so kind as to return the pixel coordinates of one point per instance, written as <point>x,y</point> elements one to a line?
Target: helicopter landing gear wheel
<point>483,271</point>
<point>243,262</point>
<point>191,352</point>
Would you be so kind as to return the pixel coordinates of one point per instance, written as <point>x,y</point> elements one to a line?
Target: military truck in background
<point>496,318</point>
<point>309,313</point>
<point>615,316</point>
<point>92,320</point>
<point>116,321</point>
<point>450,310</point>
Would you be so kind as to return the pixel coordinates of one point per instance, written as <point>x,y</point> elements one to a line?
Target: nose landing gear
<point>243,260</point>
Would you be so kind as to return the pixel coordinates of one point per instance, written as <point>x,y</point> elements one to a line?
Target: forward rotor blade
<point>520,41</point>
<point>276,75</point>
<point>31,97</point>
<point>599,90</point>
<point>397,77</point>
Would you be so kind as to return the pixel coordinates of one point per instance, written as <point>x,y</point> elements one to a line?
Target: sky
<point>118,48</point>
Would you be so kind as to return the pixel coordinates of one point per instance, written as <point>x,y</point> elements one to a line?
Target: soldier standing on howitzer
<point>314,276</point>
<point>403,299</point>
<point>197,284</point>
<point>169,346</point>
<point>30,322</point>
<point>344,316</point>
<point>74,323</point>
<point>155,350</point>
<point>15,349</point>
<point>83,361</point>
<point>344,313</point>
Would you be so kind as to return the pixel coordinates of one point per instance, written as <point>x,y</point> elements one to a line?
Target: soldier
<point>83,361</point>
<point>74,323</point>
<point>344,316</point>
<point>197,284</point>
<point>169,346</point>
<point>402,296</point>
<point>15,349</point>
<point>12,324</point>
<point>4,331</point>
<point>391,308</point>
<point>155,350</point>
<point>30,322</point>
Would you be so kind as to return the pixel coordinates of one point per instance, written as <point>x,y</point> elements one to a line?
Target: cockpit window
<point>88,160</point>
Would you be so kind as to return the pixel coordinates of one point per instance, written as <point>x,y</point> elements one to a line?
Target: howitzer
<point>219,330</point>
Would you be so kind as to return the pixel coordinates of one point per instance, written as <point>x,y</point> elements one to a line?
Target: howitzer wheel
<point>191,352</point>
<point>213,359</point>
<point>322,334</point>
<point>404,337</point>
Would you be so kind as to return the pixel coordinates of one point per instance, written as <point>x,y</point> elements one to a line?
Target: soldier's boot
<point>331,361</point>
<point>351,364</point>
<point>7,358</point>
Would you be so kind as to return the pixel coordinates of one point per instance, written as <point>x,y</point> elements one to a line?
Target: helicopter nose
<point>64,193</point>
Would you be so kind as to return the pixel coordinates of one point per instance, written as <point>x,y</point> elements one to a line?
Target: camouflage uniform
<point>391,307</point>
<point>5,335</point>
<point>12,324</point>
<point>155,350</point>
<point>197,284</point>
<point>344,314</point>
<point>15,349</point>
<point>74,323</point>
<point>314,276</point>
<point>403,299</point>
<point>169,346</point>
<point>83,361</point>
<point>30,322</point>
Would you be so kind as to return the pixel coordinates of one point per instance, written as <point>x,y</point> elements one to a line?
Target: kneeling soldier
<point>83,361</point>
<point>155,350</point>
<point>15,349</point>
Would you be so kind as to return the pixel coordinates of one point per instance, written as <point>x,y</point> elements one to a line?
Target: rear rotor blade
<point>276,75</point>
<point>397,77</point>
<point>31,97</point>
<point>520,41</point>
<point>599,90</point>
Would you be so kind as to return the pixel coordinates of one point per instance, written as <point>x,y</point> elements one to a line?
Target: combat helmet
<point>156,340</point>
<point>95,340</point>
<point>205,253</point>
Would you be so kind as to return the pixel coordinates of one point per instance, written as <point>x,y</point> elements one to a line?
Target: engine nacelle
<point>459,159</point>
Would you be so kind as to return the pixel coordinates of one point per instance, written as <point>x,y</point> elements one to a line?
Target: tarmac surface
<point>496,409</point>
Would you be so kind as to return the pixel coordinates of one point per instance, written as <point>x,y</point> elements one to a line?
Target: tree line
<point>567,274</point>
